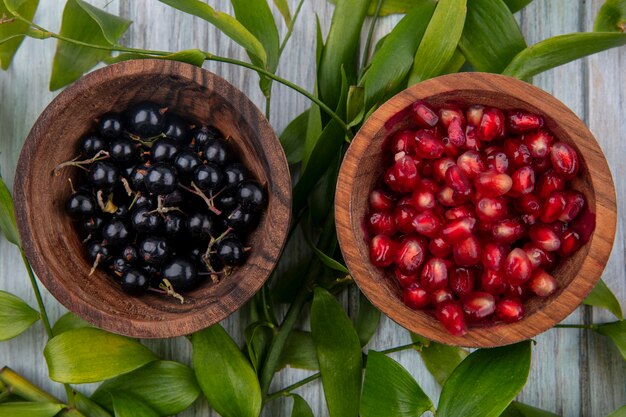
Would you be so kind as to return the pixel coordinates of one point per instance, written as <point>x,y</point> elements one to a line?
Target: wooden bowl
<point>362,167</point>
<point>51,242</point>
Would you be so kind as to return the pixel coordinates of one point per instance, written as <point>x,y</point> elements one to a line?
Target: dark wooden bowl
<point>54,247</point>
<point>362,167</point>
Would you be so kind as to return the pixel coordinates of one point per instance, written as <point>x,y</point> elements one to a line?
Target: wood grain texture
<point>574,373</point>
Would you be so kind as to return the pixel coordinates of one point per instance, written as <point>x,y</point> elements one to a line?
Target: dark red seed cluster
<point>473,211</point>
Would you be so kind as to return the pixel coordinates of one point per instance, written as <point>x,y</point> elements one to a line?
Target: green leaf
<point>342,47</point>
<point>486,382</point>
<point>8,227</point>
<point>611,17</point>
<point>491,36</point>
<point>258,337</point>
<point>617,332</point>
<point>166,387</point>
<point>440,40</point>
<point>15,316</point>
<point>12,30</point>
<point>299,352</point>
<point>330,262</point>
<point>283,8</point>
<point>224,22</point>
<point>88,407</point>
<point>68,321</point>
<point>602,296</point>
<point>560,50</point>
<point>92,355</point>
<point>522,410</point>
<point>354,106</point>
<point>300,407</point>
<point>339,354</point>
<point>440,359</point>
<point>225,376</point>
<point>85,23</point>
<point>620,412</point>
<point>517,5</point>
<point>382,79</point>
<point>190,56</point>
<point>389,390</point>
<point>455,64</point>
<point>366,321</point>
<point>293,137</point>
<point>23,409</point>
<point>125,405</point>
<point>390,6</point>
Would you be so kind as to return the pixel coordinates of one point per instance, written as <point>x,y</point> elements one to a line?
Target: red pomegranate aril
<point>508,231</point>
<point>509,310</point>
<point>460,212</point>
<point>457,230</point>
<point>426,169</point>
<point>404,215</point>
<point>410,255</point>
<point>402,141</point>
<point>528,204</point>
<point>456,133</point>
<point>549,182</point>
<point>564,160</point>
<point>545,238</point>
<point>424,115</point>
<point>570,243</point>
<point>517,152</point>
<point>538,143</point>
<point>529,219</point>
<point>428,145</point>
<point>441,296</point>
<point>381,223</point>
<point>426,223</point>
<point>467,251</point>
<point>517,267</point>
<point>493,256</point>
<point>574,204</point>
<point>415,297</point>
<point>493,282</point>
<point>542,284</point>
<point>471,163</point>
<point>405,173</point>
<point>493,184</point>
<point>523,182</point>
<point>553,207</point>
<point>423,200</point>
<point>475,115</point>
<point>478,305</point>
<point>439,247</point>
<point>448,114</point>
<point>491,209</point>
<point>449,149</point>
<point>380,201</point>
<point>450,198</point>
<point>427,184</point>
<point>537,256</point>
<point>584,225</point>
<point>541,165</point>
<point>498,161</point>
<point>403,279</point>
<point>382,250</point>
<point>434,275</point>
<point>520,121</point>
<point>440,167</point>
<point>461,281</point>
<point>450,314</point>
<point>458,181</point>
<point>472,142</point>
<point>491,125</point>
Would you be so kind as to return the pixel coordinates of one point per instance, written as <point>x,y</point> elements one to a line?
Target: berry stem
<point>197,191</point>
<point>79,164</point>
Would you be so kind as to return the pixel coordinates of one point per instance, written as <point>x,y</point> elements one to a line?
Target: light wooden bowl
<point>362,167</point>
<point>53,246</point>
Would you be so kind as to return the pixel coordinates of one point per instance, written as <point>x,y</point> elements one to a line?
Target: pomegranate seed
<point>449,149</point>
<point>426,223</point>
<point>457,230</point>
<point>450,314</point>
<point>475,115</point>
<point>403,279</point>
<point>517,291</point>
<point>467,251</point>
<point>545,238</point>
<point>428,145</point>
<point>574,204</point>
<point>549,182</point>
<point>460,212</point>
<point>380,201</point>
<point>493,184</point>
<point>564,160</point>
<point>381,223</point>
<point>423,200</point>
<point>471,139</point>
<point>448,197</point>
<point>558,228</point>
<point>537,256</point>
<point>441,296</point>
<point>426,169</point>
<point>517,267</point>
<point>542,284</point>
<point>570,243</point>
<point>493,256</point>
<point>498,161</point>
<point>523,182</point>
<point>520,121</point>
<point>424,115</point>
<point>478,305</point>
<point>538,143</point>
<point>493,282</point>
<point>553,207</point>
<point>415,297</point>
<point>462,281</point>
<point>528,204</point>
<point>382,250</point>
<point>491,209</point>
<point>426,184</point>
<point>471,163</point>
<point>405,172</point>
<point>541,165</point>
<point>434,275</point>
<point>529,219</point>
<point>508,231</point>
<point>391,180</point>
<point>584,225</point>
<point>410,255</point>
<point>491,125</point>
<point>439,247</point>
<point>456,179</point>
<point>448,114</point>
<point>405,201</point>
<point>403,215</point>
<point>456,132</point>
<point>509,310</point>
<point>402,141</point>
<point>440,167</point>
<point>517,152</point>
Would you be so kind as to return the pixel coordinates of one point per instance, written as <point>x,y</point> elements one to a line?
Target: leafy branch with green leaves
<point>432,38</point>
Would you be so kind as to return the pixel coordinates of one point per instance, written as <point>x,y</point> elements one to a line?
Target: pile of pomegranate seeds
<point>474,210</point>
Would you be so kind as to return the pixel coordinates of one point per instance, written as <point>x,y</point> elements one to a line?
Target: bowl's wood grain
<point>362,167</point>
<point>49,238</point>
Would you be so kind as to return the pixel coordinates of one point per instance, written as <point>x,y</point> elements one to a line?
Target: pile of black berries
<point>161,203</point>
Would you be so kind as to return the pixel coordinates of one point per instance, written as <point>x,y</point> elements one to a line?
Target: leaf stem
<point>400,348</point>
<point>370,35</point>
<point>577,326</point>
<point>290,28</point>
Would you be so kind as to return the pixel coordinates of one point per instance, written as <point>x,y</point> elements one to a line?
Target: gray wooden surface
<point>574,373</point>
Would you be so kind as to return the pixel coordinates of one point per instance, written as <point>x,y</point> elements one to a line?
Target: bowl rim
<point>543,319</point>
<point>196,319</point>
